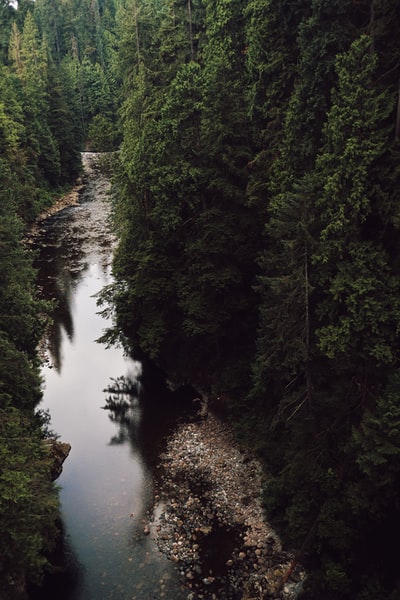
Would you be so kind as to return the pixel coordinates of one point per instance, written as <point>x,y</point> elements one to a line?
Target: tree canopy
<point>258,225</point>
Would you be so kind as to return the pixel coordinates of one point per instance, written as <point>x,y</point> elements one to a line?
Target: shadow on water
<point>61,266</point>
<point>64,578</point>
<point>146,411</point>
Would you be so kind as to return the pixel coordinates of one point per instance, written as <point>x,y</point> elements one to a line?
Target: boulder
<point>58,452</point>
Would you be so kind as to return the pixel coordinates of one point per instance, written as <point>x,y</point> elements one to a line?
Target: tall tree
<point>354,312</point>
<point>353,209</point>
<point>216,294</point>
<point>7,17</point>
<point>28,504</point>
<point>29,57</point>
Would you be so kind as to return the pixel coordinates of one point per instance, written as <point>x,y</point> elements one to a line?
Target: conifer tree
<point>353,313</point>
<point>30,64</point>
<point>215,291</point>
<point>7,16</point>
<point>352,264</point>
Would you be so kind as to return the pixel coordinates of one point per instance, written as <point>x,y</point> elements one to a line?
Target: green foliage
<point>48,140</point>
<point>351,263</point>
<point>20,314</point>
<point>324,356</point>
<point>260,182</point>
<point>102,135</point>
<point>39,151</point>
<point>7,16</point>
<point>376,443</point>
<point>28,502</point>
<point>64,123</point>
<point>271,57</point>
<point>184,260</point>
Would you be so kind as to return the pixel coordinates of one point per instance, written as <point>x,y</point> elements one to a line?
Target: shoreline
<point>208,518</point>
<point>71,198</point>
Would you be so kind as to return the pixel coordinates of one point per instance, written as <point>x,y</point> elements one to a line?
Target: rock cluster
<point>71,198</point>
<point>209,520</point>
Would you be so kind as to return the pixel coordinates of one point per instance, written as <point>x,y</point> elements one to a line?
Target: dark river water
<point>107,484</point>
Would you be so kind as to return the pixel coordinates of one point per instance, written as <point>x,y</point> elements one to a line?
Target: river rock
<point>58,452</point>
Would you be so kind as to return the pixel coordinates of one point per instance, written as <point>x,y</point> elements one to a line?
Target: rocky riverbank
<point>90,161</point>
<point>58,453</point>
<point>208,518</point>
<point>69,199</point>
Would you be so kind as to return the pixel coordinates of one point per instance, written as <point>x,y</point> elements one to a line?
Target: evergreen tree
<point>30,64</point>
<point>7,16</point>
<point>28,500</point>
<point>18,183</point>
<point>216,285</point>
<point>353,208</point>
<point>349,346</point>
<point>272,53</point>
<point>257,178</point>
<point>64,122</point>
<point>184,153</point>
<point>28,504</point>
<point>51,18</point>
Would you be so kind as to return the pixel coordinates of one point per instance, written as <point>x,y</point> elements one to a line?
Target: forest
<point>256,149</point>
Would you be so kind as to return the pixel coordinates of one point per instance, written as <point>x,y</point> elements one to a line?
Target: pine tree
<point>342,209</point>
<point>215,290</point>
<point>28,503</point>
<point>7,16</point>
<point>272,53</point>
<point>29,57</point>
<point>356,315</point>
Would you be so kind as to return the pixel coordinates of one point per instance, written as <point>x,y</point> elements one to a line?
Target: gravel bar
<point>208,518</point>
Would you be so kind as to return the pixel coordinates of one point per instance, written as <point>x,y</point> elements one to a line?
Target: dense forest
<point>256,204</point>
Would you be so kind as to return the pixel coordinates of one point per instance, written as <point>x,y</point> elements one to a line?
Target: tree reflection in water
<point>122,403</point>
<point>146,411</point>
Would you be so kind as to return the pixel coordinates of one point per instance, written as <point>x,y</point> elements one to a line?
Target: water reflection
<point>122,403</point>
<point>61,266</point>
<point>146,411</point>
<point>57,279</point>
<point>67,244</point>
<point>65,579</point>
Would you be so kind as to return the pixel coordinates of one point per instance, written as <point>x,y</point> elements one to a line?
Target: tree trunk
<point>397,134</point>
<point>307,324</point>
<point>190,30</point>
<point>135,16</point>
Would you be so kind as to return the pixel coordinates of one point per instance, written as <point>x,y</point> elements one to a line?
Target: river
<point>107,483</point>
